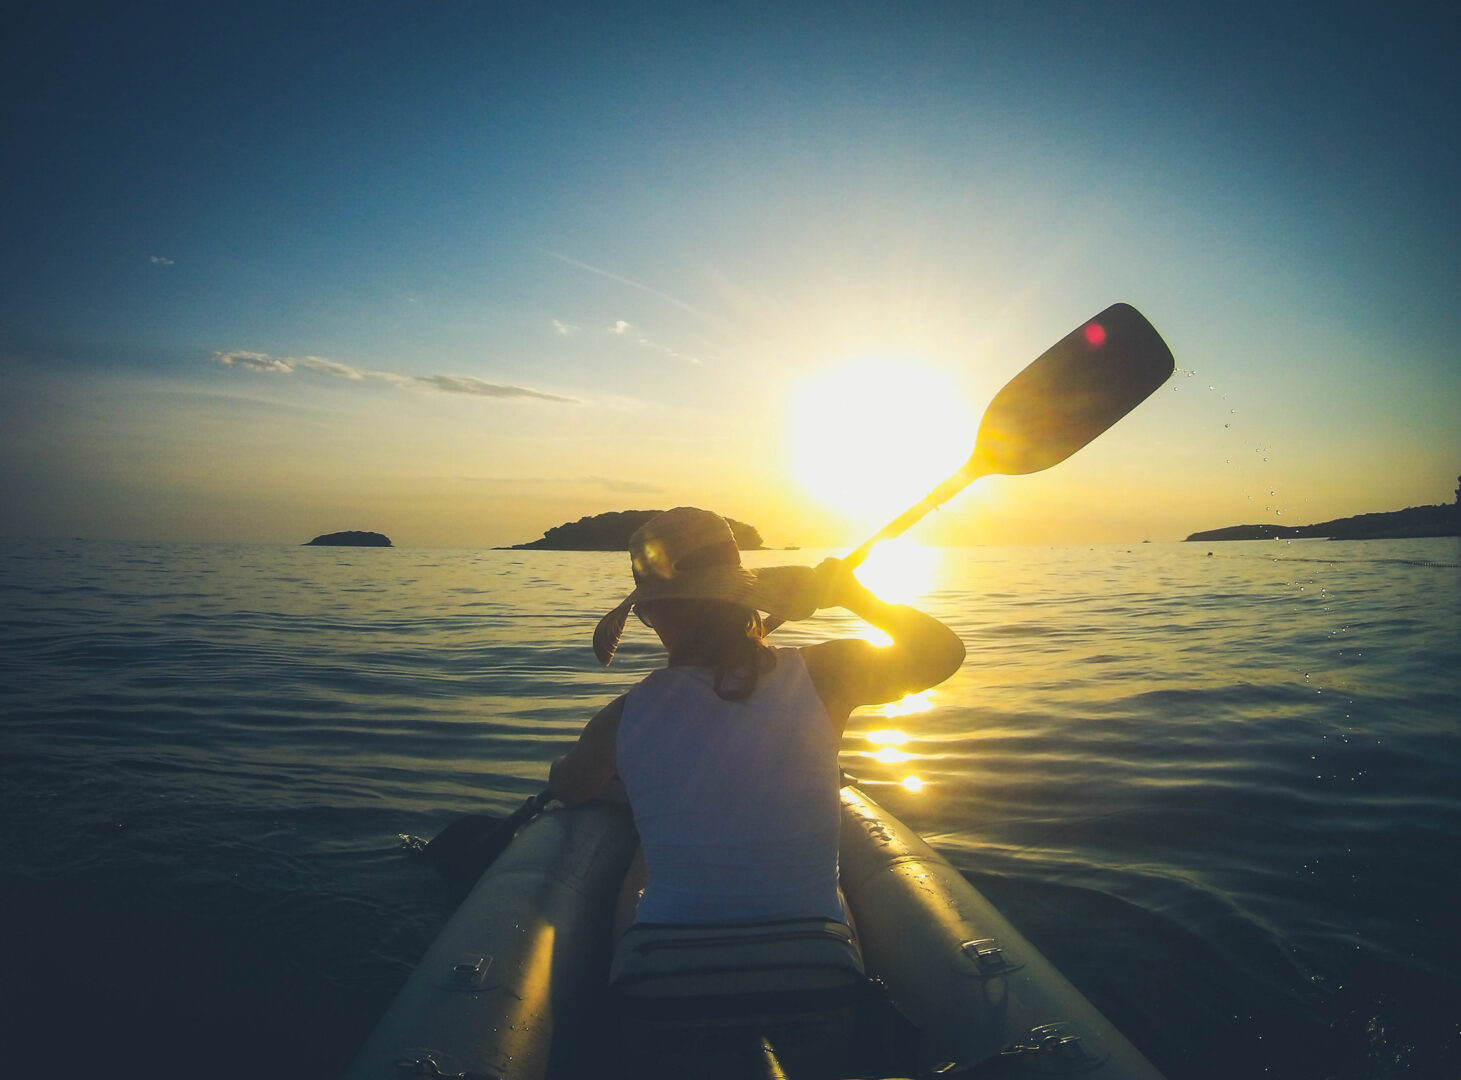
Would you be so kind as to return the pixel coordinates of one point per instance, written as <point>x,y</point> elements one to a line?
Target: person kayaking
<point>728,754</point>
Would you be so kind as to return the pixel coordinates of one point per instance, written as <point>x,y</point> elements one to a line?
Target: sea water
<point>1217,785</point>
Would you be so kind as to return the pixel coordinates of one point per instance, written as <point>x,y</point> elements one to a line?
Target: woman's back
<point>735,801</point>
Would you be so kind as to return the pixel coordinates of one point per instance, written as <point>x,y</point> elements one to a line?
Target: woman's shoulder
<point>834,658</point>
<point>841,670</point>
<point>665,679</point>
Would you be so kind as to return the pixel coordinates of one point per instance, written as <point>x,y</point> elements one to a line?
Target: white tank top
<point>736,802</point>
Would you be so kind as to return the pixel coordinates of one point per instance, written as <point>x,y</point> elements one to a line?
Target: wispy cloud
<point>159,260</point>
<point>624,487</point>
<point>466,384</point>
<point>447,384</point>
<point>666,297</point>
<point>330,367</point>
<point>673,354</point>
<point>608,483</point>
<point>625,329</point>
<point>563,329</point>
<point>256,361</point>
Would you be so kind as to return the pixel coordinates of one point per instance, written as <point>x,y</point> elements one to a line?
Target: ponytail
<point>742,653</point>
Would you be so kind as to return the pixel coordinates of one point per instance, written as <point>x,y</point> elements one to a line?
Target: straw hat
<point>691,554</point>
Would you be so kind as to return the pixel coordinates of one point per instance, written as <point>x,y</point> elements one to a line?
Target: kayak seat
<point>689,997</point>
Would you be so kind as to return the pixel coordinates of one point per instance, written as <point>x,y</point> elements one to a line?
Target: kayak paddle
<point>1071,393</point>
<point>469,845</point>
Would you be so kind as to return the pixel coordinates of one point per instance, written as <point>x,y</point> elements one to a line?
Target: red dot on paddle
<point>1095,333</point>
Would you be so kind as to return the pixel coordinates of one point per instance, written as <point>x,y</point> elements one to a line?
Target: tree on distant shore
<point>1458,491</point>
<point>611,531</point>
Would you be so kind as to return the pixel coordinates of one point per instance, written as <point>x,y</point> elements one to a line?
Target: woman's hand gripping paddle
<point>1074,391</point>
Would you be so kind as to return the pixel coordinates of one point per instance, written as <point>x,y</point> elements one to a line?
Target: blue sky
<point>461,271</point>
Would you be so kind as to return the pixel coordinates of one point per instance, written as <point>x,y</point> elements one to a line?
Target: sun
<point>870,437</point>
<point>900,570</point>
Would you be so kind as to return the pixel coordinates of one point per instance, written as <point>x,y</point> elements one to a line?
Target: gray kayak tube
<point>507,986</point>
<point>977,991</point>
<point>515,985</point>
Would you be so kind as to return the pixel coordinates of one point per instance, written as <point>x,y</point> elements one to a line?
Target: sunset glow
<point>869,436</point>
<point>462,279</point>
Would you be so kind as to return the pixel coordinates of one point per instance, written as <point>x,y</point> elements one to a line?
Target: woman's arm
<point>587,769</point>
<point>851,672</point>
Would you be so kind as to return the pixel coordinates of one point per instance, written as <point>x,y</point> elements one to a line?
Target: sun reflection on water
<point>899,571</point>
<point>887,743</point>
<point>908,705</point>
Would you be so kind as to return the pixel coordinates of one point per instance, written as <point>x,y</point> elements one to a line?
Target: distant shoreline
<point>350,538</point>
<point>1413,522</point>
<point>611,532</point>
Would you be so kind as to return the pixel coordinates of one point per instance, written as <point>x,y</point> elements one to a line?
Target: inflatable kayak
<point>516,986</point>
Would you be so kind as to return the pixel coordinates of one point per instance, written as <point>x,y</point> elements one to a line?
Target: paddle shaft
<point>946,490</point>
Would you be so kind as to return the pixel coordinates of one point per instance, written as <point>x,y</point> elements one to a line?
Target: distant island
<point>350,538</point>
<point>1443,519</point>
<point>611,531</point>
